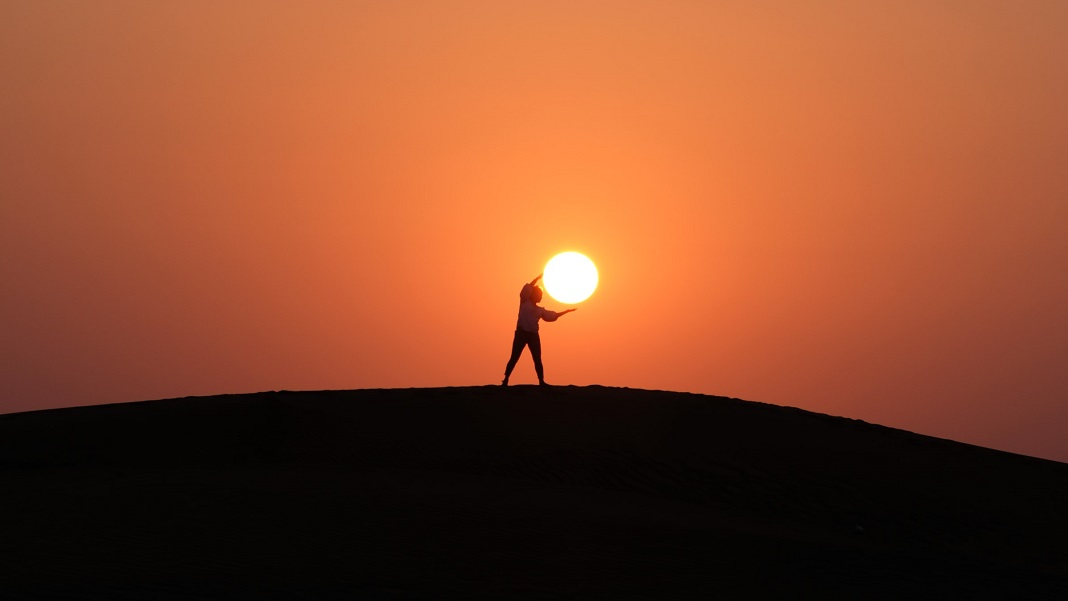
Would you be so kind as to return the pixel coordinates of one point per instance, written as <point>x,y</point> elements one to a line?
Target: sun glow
<point>570,277</point>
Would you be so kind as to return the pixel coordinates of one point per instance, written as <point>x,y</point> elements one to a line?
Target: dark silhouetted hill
<point>514,493</point>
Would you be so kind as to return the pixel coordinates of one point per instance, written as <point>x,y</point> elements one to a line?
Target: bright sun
<point>570,277</point>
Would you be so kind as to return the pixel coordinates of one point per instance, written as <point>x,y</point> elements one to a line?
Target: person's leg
<point>535,351</point>
<point>518,342</point>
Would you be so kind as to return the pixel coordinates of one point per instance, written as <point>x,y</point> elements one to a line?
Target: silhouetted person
<point>526,329</point>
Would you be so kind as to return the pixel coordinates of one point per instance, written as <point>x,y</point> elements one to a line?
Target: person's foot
<point>504,382</point>
<point>544,383</point>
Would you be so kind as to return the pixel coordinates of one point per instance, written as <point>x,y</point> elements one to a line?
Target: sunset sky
<point>856,208</point>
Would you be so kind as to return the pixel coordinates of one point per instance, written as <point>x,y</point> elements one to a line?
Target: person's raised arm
<point>535,280</point>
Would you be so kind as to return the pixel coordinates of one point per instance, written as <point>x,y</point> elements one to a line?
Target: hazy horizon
<point>855,209</point>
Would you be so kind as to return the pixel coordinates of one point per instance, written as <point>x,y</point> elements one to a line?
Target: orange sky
<point>857,208</point>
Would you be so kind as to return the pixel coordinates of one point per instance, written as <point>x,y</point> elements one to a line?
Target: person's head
<point>535,295</point>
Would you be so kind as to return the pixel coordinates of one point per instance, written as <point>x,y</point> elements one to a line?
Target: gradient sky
<point>857,208</point>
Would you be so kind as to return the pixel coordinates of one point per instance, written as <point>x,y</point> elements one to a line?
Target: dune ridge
<point>519,492</point>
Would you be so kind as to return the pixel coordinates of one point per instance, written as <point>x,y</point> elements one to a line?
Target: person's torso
<point>529,315</point>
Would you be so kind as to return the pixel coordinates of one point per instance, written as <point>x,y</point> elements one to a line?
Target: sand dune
<point>525,493</point>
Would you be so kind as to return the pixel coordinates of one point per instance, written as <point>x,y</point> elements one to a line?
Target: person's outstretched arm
<point>548,315</point>
<point>535,280</point>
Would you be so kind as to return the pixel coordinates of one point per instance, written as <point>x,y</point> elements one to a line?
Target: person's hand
<point>570,310</point>
<point>535,280</point>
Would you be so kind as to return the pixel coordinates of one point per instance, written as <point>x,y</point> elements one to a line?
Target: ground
<point>519,492</point>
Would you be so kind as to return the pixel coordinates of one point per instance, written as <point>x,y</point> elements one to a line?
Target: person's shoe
<point>504,382</point>
<point>544,383</point>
